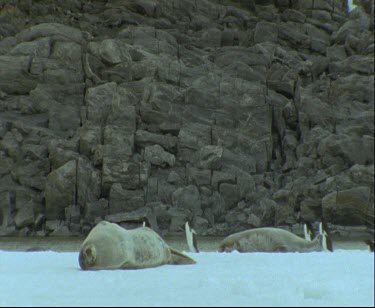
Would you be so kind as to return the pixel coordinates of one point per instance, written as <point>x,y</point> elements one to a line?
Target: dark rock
<point>230,195</point>
<point>198,177</point>
<point>72,214</point>
<point>6,209</point>
<point>347,207</point>
<point>229,116</point>
<point>156,155</point>
<point>123,200</point>
<point>241,161</point>
<point>178,218</point>
<point>209,157</point>
<point>145,138</point>
<point>90,136</point>
<point>10,144</point>
<point>187,197</point>
<point>245,183</point>
<point>60,190</point>
<point>266,210</point>
<point>59,157</point>
<point>293,15</point>
<point>174,178</point>
<point>354,64</point>
<point>14,68</point>
<point>24,216</point>
<point>336,53</point>
<point>165,191</point>
<point>254,221</point>
<point>200,224</point>
<point>311,210</point>
<point>114,51</point>
<point>194,136</point>
<point>284,215</point>
<point>57,228</point>
<point>353,150</point>
<point>357,23</point>
<point>291,33</point>
<point>219,177</point>
<point>95,209</point>
<point>217,203</point>
<point>235,217</point>
<point>265,32</point>
<point>362,175</point>
<point>33,174</point>
<point>139,215</point>
<point>122,171</point>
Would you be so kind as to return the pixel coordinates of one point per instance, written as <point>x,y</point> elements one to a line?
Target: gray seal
<point>109,246</point>
<point>270,240</point>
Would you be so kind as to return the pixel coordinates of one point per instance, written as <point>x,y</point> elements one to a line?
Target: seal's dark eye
<point>89,252</point>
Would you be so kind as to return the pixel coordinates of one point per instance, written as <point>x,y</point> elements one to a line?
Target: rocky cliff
<point>229,114</point>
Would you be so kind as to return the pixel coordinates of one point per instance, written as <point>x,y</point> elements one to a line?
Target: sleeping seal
<point>109,246</point>
<point>270,240</point>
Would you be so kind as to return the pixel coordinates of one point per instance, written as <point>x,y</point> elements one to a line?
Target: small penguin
<point>307,231</point>
<point>191,238</point>
<point>326,242</point>
<point>370,245</point>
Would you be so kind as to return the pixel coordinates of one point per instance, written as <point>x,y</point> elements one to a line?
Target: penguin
<point>191,238</point>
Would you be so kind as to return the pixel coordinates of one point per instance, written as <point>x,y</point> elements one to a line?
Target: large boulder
<point>60,190</point>
<point>229,115</point>
<point>347,207</point>
<point>187,197</point>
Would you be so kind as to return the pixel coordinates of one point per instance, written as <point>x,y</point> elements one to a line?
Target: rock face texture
<point>229,114</point>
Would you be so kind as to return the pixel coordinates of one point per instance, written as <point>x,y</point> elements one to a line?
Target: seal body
<point>269,240</point>
<point>109,246</point>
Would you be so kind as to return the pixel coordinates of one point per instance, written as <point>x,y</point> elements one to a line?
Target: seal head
<point>87,256</point>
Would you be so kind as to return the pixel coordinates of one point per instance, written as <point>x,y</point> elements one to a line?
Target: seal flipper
<point>178,258</point>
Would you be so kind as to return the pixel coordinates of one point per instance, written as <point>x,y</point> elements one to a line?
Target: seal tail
<point>191,238</point>
<point>178,258</point>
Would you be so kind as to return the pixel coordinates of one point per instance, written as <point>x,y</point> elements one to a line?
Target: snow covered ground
<point>49,278</point>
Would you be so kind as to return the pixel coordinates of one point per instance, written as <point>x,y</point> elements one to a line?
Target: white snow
<point>48,278</point>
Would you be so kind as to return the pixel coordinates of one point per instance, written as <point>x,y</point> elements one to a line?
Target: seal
<point>109,246</point>
<point>270,240</point>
